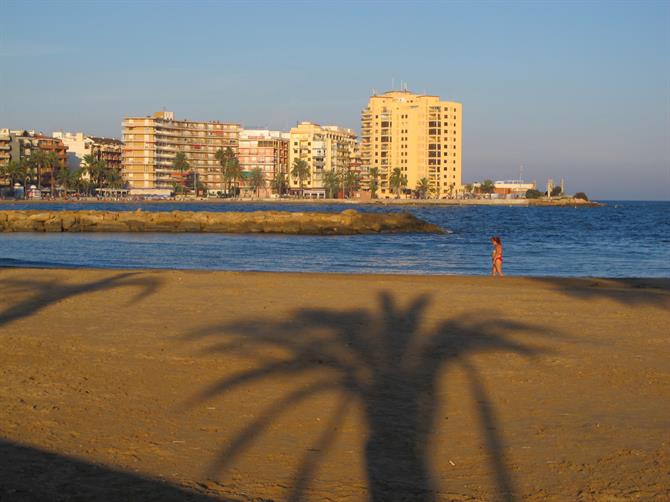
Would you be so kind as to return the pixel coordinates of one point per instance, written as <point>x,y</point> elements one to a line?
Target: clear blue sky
<point>579,90</point>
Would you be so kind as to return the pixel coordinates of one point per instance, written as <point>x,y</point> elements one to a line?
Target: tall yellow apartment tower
<point>151,144</point>
<point>324,148</point>
<point>416,133</point>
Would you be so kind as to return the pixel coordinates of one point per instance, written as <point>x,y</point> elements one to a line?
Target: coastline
<point>376,202</point>
<point>524,373</point>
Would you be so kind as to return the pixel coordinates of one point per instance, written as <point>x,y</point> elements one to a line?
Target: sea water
<point>620,239</point>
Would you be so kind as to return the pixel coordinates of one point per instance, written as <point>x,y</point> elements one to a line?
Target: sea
<point>619,239</point>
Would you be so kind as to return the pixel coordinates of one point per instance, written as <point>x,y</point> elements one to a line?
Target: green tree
<point>37,162</point>
<point>468,188</point>
<point>279,183</point>
<point>422,188</point>
<point>533,194</point>
<point>351,182</point>
<point>256,180</point>
<point>374,181</point>
<point>556,191</point>
<point>229,167</point>
<point>64,178</point>
<point>14,171</point>
<point>581,195</point>
<point>331,182</point>
<point>300,170</point>
<point>487,186</point>
<point>397,181</point>
<point>52,164</point>
<point>180,163</point>
<point>96,169</point>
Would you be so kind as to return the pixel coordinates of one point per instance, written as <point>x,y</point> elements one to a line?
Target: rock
<point>346,222</point>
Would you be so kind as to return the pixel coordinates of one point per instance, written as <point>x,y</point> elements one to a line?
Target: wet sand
<point>171,385</point>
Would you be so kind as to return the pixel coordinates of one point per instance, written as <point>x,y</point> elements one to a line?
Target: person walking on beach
<point>496,257</point>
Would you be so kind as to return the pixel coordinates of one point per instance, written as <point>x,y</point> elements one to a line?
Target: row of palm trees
<point>398,182</point>
<point>231,174</point>
<point>334,182</point>
<point>32,170</point>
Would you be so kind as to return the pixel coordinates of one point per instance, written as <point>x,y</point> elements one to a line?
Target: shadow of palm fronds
<point>44,292</point>
<point>388,362</point>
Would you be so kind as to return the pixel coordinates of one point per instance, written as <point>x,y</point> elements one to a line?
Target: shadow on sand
<point>631,292</point>
<point>29,474</point>
<point>40,293</point>
<point>386,361</point>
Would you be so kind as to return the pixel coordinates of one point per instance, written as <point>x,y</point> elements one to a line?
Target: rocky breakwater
<point>347,222</point>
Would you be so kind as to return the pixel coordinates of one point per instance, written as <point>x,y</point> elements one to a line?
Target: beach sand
<point>173,385</point>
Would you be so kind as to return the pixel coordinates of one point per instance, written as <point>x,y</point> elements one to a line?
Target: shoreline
<point>353,202</point>
<point>641,281</point>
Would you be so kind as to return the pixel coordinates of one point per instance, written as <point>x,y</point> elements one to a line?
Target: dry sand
<point>170,385</point>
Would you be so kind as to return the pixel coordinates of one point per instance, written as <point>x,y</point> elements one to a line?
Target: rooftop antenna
<point>521,172</point>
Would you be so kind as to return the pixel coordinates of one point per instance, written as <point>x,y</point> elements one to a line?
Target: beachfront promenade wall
<point>347,222</point>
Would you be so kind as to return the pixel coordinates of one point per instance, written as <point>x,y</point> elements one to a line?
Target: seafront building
<point>323,148</point>
<point>21,144</point>
<point>151,144</point>
<point>5,147</point>
<point>508,189</point>
<point>79,145</point>
<point>417,133</point>
<point>265,150</point>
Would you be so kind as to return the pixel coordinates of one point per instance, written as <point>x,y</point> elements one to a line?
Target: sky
<point>572,90</point>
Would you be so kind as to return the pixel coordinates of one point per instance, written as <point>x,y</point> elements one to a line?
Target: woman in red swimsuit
<point>496,257</point>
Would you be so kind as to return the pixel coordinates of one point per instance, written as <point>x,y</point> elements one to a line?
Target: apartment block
<point>324,148</point>
<point>79,145</point>
<point>5,147</point>
<point>419,134</point>
<point>151,144</point>
<point>21,144</point>
<point>265,150</point>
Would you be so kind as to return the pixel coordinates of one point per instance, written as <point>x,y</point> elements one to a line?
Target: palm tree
<point>331,182</point>
<point>374,181</point>
<point>397,181</point>
<point>256,180</point>
<point>15,171</point>
<point>52,163</point>
<point>300,170</point>
<point>423,187</point>
<point>229,166</point>
<point>37,161</point>
<point>96,169</point>
<point>64,177</point>
<point>352,183</point>
<point>279,183</point>
<point>180,164</point>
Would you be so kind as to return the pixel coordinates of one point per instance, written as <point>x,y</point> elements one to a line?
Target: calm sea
<point>622,239</point>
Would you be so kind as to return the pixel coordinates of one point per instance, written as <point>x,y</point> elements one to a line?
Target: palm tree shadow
<point>386,361</point>
<point>44,292</point>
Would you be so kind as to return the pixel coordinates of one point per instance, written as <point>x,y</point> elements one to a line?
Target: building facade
<point>5,147</point>
<point>19,145</point>
<point>79,145</point>
<point>323,148</point>
<point>265,150</point>
<point>151,144</point>
<point>420,135</point>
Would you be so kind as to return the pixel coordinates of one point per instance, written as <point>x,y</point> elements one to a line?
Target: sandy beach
<point>173,385</point>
